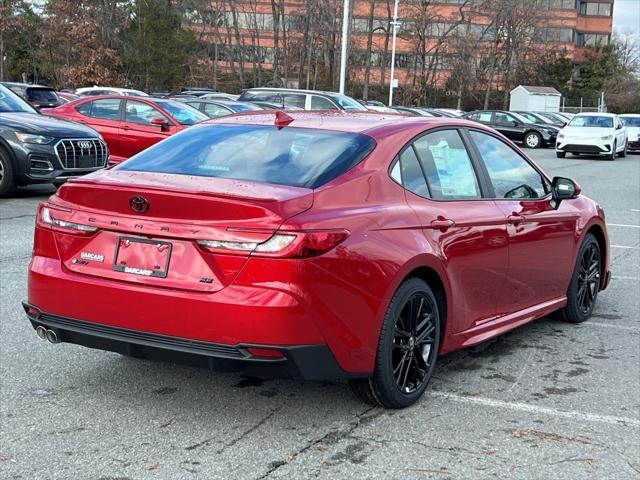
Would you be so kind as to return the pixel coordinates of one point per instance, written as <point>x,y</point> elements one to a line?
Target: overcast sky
<point>626,16</point>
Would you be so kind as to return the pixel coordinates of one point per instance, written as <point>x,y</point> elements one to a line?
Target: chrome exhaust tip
<point>52,337</point>
<point>41,332</point>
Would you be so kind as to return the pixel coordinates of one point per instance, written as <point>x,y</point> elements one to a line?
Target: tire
<point>407,348</point>
<point>561,154</point>
<point>532,140</point>
<point>7,176</point>
<point>623,153</point>
<point>586,279</point>
<point>612,156</point>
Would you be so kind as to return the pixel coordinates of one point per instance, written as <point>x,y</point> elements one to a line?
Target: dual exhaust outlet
<point>47,334</point>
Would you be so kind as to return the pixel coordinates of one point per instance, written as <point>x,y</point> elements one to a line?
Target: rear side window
<point>291,156</point>
<point>107,109</point>
<point>409,173</point>
<point>321,103</point>
<point>447,165</point>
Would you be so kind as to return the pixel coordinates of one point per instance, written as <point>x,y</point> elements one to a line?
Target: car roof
<point>596,114</point>
<point>370,123</point>
<point>293,90</point>
<point>27,85</point>
<point>629,115</point>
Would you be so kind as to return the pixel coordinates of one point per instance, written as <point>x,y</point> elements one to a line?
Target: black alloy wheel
<point>407,350</point>
<point>7,180</point>
<point>585,283</point>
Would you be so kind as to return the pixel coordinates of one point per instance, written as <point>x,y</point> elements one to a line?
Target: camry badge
<point>139,204</point>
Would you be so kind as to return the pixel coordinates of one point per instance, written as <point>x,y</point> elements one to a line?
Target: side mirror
<point>618,127</point>
<point>514,124</point>
<point>160,122</point>
<point>564,189</point>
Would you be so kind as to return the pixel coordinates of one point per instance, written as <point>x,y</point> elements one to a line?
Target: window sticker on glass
<point>449,170</point>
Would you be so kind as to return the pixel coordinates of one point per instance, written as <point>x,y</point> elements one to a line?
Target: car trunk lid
<point>148,225</point>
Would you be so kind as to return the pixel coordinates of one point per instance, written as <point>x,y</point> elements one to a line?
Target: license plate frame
<point>154,272</point>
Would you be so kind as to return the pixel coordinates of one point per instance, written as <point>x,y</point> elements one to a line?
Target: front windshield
<point>539,119</point>
<point>348,103</point>
<point>522,118</point>
<point>10,102</point>
<point>182,113</point>
<point>591,121</point>
<point>631,121</point>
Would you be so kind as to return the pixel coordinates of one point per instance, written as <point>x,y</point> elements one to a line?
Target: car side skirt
<point>497,326</point>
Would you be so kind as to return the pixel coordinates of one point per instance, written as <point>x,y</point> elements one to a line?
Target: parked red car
<point>327,244</point>
<point>129,124</point>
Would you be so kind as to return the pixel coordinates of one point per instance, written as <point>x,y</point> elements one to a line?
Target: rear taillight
<point>50,217</point>
<point>282,244</point>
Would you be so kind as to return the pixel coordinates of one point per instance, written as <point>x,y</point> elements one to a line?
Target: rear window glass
<point>291,156</point>
<point>41,94</point>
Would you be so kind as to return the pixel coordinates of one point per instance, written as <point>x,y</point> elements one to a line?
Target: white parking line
<point>622,277</point>
<point>622,246</point>
<point>611,325</point>
<point>525,407</point>
<point>622,225</point>
<point>635,209</point>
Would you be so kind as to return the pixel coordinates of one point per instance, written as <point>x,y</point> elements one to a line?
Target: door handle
<point>442,223</point>
<point>515,219</point>
<point>126,127</point>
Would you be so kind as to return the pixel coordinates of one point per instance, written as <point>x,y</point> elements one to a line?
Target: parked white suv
<point>593,134</point>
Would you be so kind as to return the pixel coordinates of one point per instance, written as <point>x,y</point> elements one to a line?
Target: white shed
<point>535,99</point>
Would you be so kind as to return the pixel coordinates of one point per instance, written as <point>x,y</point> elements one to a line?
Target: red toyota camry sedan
<point>129,124</point>
<point>325,245</point>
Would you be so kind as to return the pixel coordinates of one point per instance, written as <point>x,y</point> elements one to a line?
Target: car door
<point>509,126</point>
<point>136,129</point>
<point>541,238</point>
<point>468,231</point>
<point>103,115</point>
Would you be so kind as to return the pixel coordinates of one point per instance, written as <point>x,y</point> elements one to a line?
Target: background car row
<point>124,122</point>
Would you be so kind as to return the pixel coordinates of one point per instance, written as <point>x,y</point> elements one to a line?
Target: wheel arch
<point>597,231</point>
<point>432,278</point>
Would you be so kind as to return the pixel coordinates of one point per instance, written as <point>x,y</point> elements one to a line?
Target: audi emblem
<point>139,204</point>
<point>85,144</point>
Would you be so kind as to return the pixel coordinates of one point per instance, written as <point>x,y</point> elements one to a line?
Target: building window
<point>561,4</point>
<point>595,9</point>
<point>591,39</point>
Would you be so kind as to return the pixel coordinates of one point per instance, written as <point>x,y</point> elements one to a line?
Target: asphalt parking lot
<point>548,400</point>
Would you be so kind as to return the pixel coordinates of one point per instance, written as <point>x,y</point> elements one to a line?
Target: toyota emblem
<point>84,145</point>
<point>139,204</point>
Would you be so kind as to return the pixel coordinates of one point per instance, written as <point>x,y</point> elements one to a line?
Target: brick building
<point>247,32</point>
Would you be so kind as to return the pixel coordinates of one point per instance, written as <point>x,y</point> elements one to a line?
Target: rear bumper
<point>306,362</point>
<point>268,304</point>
